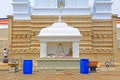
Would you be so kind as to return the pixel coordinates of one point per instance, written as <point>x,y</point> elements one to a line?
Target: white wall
<point>45,3</point>
<point>3,26</point>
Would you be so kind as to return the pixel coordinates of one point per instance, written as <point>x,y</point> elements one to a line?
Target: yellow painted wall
<point>3,40</point>
<point>98,41</point>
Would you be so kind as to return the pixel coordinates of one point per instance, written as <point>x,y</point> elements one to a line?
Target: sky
<point>7,9</point>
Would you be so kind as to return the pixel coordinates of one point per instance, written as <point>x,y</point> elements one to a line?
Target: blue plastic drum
<point>27,67</point>
<point>84,66</point>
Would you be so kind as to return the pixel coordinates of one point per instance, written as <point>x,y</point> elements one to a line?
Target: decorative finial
<point>61,5</point>
<point>60,20</point>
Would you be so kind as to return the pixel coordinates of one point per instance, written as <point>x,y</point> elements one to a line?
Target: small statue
<point>70,52</point>
<point>60,49</point>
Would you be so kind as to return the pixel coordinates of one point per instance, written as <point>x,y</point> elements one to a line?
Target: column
<point>43,49</point>
<point>10,24</point>
<point>115,51</point>
<point>21,9</point>
<point>75,49</point>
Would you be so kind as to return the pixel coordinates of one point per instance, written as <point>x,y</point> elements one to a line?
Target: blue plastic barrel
<point>84,66</point>
<point>27,66</point>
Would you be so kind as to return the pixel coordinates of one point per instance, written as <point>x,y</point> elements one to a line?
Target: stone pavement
<point>112,74</point>
<point>104,75</point>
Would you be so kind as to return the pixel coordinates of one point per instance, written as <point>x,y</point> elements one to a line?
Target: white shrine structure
<point>35,32</point>
<point>59,32</point>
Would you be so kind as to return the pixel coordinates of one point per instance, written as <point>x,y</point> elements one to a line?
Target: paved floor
<point>112,74</point>
<point>102,75</point>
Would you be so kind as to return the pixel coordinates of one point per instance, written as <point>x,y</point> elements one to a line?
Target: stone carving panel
<point>102,35</point>
<point>91,50</point>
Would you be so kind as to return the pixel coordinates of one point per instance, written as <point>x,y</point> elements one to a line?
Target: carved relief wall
<point>98,35</point>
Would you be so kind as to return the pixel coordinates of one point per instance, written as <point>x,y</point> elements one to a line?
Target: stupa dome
<point>59,29</point>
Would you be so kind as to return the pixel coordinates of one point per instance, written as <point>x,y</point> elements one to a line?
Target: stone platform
<point>58,63</point>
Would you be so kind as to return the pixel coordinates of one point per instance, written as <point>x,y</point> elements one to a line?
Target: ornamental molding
<point>26,50</point>
<point>102,35</point>
<point>17,36</point>
<point>91,50</point>
<point>86,33</point>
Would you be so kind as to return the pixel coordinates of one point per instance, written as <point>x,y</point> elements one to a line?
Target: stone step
<point>4,66</point>
<point>58,71</point>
